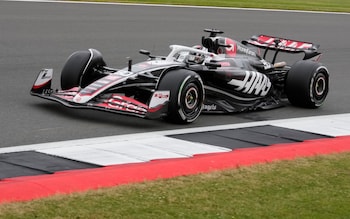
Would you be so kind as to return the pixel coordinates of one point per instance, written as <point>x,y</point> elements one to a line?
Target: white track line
<point>181,6</point>
<point>143,147</point>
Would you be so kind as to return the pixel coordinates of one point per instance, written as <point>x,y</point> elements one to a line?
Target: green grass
<point>317,187</point>
<point>309,5</point>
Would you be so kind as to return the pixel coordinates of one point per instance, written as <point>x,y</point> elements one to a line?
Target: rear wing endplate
<point>285,45</point>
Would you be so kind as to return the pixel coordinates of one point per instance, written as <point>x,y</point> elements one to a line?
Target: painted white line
<point>144,147</point>
<point>332,125</point>
<point>89,155</point>
<point>327,120</point>
<point>131,151</point>
<point>185,148</point>
<point>182,6</point>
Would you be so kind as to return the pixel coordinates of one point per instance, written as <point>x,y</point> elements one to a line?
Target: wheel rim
<point>191,98</point>
<point>190,104</point>
<point>320,86</point>
<point>320,89</point>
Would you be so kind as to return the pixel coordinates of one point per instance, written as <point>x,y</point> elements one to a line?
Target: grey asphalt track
<point>37,35</point>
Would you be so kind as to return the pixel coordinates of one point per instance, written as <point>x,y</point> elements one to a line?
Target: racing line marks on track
<point>99,162</point>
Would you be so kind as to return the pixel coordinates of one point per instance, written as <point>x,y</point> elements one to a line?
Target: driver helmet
<point>196,57</point>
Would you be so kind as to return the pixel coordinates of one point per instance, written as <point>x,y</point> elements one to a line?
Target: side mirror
<point>145,52</point>
<point>148,53</point>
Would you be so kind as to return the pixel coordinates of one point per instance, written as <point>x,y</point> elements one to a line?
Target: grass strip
<point>316,187</point>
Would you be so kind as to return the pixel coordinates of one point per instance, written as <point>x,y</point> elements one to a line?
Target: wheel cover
<point>191,98</point>
<point>190,102</point>
<point>320,87</point>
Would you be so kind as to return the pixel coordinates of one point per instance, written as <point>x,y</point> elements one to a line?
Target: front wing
<point>109,102</point>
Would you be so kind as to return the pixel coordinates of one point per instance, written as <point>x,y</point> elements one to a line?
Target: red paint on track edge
<point>65,182</point>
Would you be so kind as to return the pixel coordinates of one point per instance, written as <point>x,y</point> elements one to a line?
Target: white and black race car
<point>220,76</point>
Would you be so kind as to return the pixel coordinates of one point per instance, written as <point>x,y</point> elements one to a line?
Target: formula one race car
<point>220,76</point>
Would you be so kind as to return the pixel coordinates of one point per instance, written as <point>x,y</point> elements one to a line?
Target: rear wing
<point>285,45</point>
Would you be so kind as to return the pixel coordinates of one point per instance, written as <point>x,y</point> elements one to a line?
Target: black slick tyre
<point>78,69</point>
<point>307,84</point>
<point>186,95</point>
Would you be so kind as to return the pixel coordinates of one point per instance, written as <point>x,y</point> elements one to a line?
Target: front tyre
<point>79,69</point>
<point>307,84</point>
<point>186,95</point>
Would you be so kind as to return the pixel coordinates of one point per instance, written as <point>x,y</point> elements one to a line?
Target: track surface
<point>37,35</point>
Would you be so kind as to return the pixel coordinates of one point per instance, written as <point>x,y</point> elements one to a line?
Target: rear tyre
<point>79,69</point>
<point>186,95</point>
<point>307,84</point>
